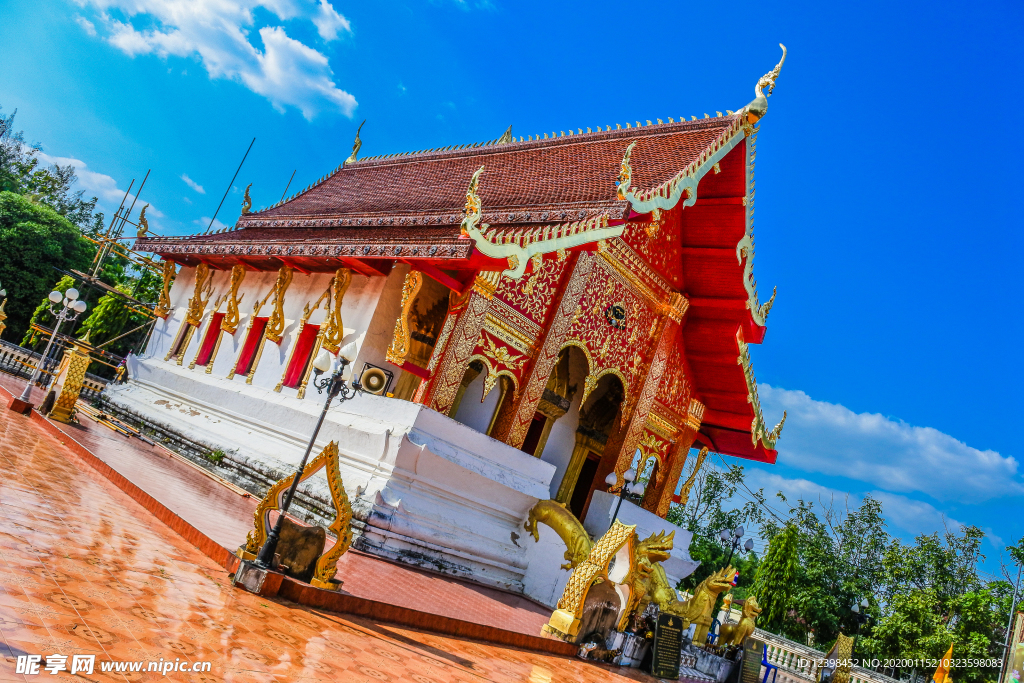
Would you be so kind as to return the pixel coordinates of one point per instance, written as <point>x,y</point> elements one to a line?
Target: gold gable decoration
<point>341,527</point>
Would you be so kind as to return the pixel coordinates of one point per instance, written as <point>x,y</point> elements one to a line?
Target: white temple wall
<point>380,322</point>
<point>562,437</point>
<point>475,413</point>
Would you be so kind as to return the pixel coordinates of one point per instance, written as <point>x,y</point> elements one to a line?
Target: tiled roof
<point>542,181</point>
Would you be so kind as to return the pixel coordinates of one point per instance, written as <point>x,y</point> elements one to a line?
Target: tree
<point>705,516</point>
<point>34,240</point>
<point>775,577</point>
<point>107,319</point>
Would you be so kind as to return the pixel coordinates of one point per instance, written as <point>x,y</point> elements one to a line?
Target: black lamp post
<point>734,536</point>
<point>628,486</point>
<point>860,614</point>
<point>341,371</point>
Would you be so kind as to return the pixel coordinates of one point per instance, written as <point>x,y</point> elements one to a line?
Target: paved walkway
<point>224,514</point>
<point>86,570</point>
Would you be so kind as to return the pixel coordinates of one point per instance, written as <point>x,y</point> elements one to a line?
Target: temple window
<point>209,340</point>
<point>253,338</point>
<point>301,356</point>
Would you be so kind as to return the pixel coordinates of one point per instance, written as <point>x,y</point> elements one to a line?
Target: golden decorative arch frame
<point>341,527</point>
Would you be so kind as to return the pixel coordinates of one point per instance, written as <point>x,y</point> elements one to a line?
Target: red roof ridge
<point>477,149</point>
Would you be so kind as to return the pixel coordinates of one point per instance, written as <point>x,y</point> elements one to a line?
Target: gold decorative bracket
<point>341,527</point>
<point>401,341</point>
<point>163,306</point>
<point>758,429</point>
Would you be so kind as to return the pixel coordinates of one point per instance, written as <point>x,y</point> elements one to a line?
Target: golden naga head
<point>751,608</point>
<point>759,107</point>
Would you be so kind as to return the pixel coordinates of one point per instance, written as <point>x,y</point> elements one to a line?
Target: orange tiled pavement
<point>86,570</point>
<point>225,517</point>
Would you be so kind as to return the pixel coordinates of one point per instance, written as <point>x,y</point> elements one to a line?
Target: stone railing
<point>799,663</point>
<point>18,361</point>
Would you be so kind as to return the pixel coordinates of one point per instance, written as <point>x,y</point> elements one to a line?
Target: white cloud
<point>328,22</point>
<point>205,221</point>
<point>193,184</point>
<point>891,455</point>
<point>901,513</point>
<point>86,25</point>
<point>286,71</point>
<point>97,185</point>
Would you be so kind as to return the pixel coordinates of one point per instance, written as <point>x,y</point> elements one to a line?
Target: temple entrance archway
<point>576,433</point>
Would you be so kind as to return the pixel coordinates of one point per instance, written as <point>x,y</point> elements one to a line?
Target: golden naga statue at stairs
<point>646,579</point>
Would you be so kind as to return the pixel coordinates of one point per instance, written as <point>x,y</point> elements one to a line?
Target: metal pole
<point>622,494</point>
<point>265,559</point>
<point>35,373</point>
<point>1009,626</point>
<point>229,187</point>
<point>288,185</point>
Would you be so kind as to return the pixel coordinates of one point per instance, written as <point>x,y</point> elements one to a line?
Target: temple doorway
<point>571,433</point>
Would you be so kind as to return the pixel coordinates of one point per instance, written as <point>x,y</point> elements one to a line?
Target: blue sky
<point>887,185</point>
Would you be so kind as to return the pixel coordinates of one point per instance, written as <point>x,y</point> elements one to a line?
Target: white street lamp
<point>68,307</point>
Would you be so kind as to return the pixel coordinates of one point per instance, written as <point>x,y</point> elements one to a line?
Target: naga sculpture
<point>735,634</point>
<point>565,524</point>
<point>647,579</point>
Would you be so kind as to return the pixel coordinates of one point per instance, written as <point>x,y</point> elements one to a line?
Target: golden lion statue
<point>735,634</point>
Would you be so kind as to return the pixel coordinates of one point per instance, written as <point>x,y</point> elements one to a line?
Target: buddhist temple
<point>530,314</point>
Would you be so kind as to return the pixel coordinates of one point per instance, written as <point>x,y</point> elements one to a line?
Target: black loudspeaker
<point>375,380</point>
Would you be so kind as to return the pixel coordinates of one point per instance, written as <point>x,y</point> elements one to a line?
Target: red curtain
<point>210,339</point>
<point>300,357</point>
<point>252,340</point>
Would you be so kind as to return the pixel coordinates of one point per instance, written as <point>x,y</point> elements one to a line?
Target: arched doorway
<point>575,437</point>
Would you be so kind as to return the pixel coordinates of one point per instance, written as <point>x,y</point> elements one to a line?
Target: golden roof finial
<point>143,223</point>
<point>355,146</point>
<point>246,200</point>
<point>756,109</point>
<point>506,137</point>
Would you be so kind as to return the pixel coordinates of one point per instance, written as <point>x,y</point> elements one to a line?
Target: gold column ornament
<point>514,422</point>
<point>684,493</point>
<point>194,312</point>
<point>3,317</point>
<point>333,327</point>
<point>341,527</point>
<point>163,306</point>
<point>70,377</point>
<point>402,339</point>
<point>330,333</point>
<point>229,323</point>
<point>275,324</point>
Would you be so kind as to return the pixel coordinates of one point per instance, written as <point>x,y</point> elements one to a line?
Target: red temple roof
<point>410,207</point>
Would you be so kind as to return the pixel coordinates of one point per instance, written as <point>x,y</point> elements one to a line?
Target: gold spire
<point>355,146</point>
<point>759,107</point>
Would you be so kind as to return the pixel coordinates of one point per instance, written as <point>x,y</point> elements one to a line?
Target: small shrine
<point>531,315</point>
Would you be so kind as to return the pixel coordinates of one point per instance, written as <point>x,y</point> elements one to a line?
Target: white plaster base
<point>440,494</point>
<point>599,520</point>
